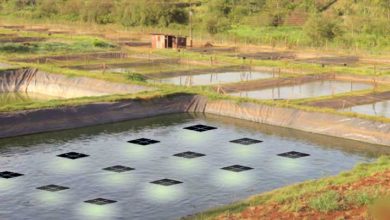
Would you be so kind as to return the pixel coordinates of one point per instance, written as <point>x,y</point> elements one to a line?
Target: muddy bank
<point>44,120</point>
<point>349,101</point>
<point>56,85</point>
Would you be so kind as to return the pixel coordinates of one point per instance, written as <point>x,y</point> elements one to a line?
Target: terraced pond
<point>214,78</point>
<point>306,90</point>
<point>376,109</point>
<point>161,168</point>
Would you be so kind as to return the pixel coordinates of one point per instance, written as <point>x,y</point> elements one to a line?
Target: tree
<point>321,29</point>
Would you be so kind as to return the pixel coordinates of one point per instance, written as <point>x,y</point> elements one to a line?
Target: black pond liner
<point>166,182</point>
<point>200,128</point>
<point>246,141</point>
<point>53,188</point>
<point>293,155</point>
<point>73,155</point>
<point>100,201</point>
<point>119,169</point>
<point>143,141</point>
<point>9,175</point>
<point>189,155</point>
<point>237,168</point>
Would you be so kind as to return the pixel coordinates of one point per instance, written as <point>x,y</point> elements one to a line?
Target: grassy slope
<point>295,197</point>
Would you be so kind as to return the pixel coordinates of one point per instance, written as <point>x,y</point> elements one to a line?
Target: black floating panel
<point>73,155</point>
<point>143,141</point>
<point>293,154</point>
<point>237,168</point>
<point>166,182</point>
<point>9,175</point>
<point>119,169</point>
<point>189,155</point>
<point>53,188</point>
<point>100,201</point>
<point>200,128</point>
<point>246,141</point>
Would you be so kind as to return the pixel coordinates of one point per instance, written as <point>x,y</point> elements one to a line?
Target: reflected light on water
<point>163,194</point>
<point>228,179</point>
<point>91,211</point>
<point>118,179</point>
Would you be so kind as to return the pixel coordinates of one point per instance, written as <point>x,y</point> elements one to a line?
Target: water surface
<point>205,184</point>
<point>214,78</point>
<point>377,109</point>
<point>306,90</point>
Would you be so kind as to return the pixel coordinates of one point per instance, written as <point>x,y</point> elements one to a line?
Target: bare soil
<point>86,56</point>
<point>268,55</point>
<point>335,60</point>
<point>277,211</point>
<point>21,39</point>
<point>123,65</point>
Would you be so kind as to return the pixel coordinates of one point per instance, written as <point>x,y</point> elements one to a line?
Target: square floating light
<point>119,169</point>
<point>143,141</point>
<point>166,182</point>
<point>53,188</point>
<point>9,175</point>
<point>100,201</point>
<point>73,155</point>
<point>237,168</point>
<point>200,128</point>
<point>189,155</point>
<point>246,141</point>
<point>293,155</point>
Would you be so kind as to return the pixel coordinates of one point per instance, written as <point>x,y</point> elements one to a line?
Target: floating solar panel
<point>200,128</point>
<point>73,155</point>
<point>237,168</point>
<point>293,154</point>
<point>100,201</point>
<point>143,141</point>
<point>166,182</point>
<point>189,155</point>
<point>246,141</point>
<point>119,169</point>
<point>9,175</point>
<point>53,188</point>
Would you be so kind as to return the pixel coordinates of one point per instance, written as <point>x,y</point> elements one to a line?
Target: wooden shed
<point>161,41</point>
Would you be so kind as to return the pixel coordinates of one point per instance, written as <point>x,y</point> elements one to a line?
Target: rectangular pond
<point>161,168</point>
<point>214,78</point>
<point>305,90</point>
<point>377,109</point>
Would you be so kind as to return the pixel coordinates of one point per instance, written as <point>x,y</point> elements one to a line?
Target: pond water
<point>306,90</point>
<point>214,78</point>
<point>203,183</point>
<point>377,109</point>
<point>19,97</point>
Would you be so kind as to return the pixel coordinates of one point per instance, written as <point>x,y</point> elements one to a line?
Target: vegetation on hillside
<point>350,24</point>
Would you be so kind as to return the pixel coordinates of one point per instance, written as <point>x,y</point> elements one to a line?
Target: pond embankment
<point>31,80</point>
<point>45,120</point>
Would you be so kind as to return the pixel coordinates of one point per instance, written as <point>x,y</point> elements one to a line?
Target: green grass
<point>326,202</point>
